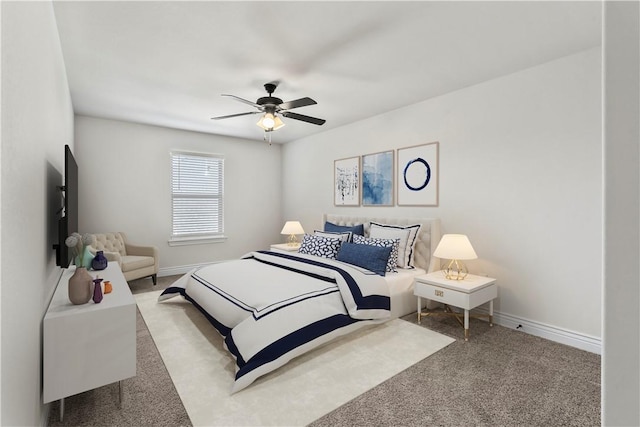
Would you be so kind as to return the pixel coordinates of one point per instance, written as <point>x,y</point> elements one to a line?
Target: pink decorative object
<point>80,286</point>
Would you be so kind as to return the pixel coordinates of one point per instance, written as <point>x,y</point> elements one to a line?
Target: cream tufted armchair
<point>135,261</point>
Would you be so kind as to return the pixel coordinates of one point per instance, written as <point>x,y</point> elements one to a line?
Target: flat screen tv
<point>68,223</point>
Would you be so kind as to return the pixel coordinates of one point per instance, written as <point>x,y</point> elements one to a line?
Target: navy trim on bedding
<point>258,313</point>
<point>224,330</point>
<point>220,292</point>
<point>233,349</point>
<point>172,290</point>
<point>296,270</point>
<point>293,300</point>
<point>362,302</point>
<point>287,343</point>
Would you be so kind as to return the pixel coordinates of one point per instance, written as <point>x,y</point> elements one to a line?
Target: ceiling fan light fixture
<point>277,123</point>
<point>267,121</point>
<point>270,122</point>
<point>269,107</point>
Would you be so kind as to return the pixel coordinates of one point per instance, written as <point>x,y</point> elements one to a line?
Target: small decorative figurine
<point>107,287</point>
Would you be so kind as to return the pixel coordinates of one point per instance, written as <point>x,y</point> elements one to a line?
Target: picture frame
<point>417,174</point>
<point>346,182</point>
<point>378,171</point>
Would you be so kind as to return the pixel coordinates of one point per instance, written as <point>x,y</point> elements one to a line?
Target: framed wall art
<point>346,182</point>
<point>418,175</point>
<point>377,179</point>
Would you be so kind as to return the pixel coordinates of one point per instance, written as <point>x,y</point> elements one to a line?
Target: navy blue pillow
<point>334,228</point>
<point>373,258</point>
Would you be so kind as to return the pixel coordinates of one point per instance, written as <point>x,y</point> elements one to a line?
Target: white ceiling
<point>167,63</point>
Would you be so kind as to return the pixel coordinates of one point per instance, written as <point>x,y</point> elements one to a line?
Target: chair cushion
<point>134,262</point>
<point>109,242</point>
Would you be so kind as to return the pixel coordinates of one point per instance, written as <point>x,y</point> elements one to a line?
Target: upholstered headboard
<point>428,236</point>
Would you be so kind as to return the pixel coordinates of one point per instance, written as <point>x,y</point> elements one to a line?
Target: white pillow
<point>407,234</point>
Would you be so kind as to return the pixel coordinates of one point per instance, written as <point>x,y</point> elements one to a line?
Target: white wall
<point>37,121</point>
<point>621,329</point>
<point>125,178</point>
<point>520,174</point>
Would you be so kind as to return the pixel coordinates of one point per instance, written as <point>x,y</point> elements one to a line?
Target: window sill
<point>199,240</point>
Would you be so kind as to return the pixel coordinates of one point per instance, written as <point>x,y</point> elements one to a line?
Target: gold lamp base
<point>455,270</point>
<point>292,240</point>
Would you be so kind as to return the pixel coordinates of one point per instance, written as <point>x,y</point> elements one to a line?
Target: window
<point>197,197</point>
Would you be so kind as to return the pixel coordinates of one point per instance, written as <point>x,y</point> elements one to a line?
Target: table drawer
<point>443,295</point>
<point>457,298</point>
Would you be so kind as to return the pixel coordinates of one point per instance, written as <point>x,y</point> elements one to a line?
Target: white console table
<point>89,345</point>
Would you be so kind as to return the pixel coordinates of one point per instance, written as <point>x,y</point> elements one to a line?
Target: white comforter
<point>273,306</point>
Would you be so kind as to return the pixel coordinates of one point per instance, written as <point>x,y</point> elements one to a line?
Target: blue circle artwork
<point>413,164</point>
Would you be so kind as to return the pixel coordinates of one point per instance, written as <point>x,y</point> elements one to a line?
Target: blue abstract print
<point>417,174</point>
<point>377,179</point>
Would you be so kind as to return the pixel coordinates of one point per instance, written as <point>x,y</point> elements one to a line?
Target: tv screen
<point>69,222</point>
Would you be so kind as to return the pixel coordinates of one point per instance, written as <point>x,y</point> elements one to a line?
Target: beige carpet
<point>296,394</point>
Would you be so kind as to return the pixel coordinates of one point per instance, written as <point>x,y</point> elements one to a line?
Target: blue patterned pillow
<point>345,236</point>
<point>320,246</point>
<point>355,229</point>
<point>373,258</point>
<point>392,243</point>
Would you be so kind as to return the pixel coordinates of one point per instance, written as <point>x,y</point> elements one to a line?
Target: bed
<point>403,301</point>
<point>272,306</point>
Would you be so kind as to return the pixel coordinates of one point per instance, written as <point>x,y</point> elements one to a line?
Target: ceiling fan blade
<point>303,118</point>
<point>235,115</point>
<point>302,102</point>
<point>243,100</point>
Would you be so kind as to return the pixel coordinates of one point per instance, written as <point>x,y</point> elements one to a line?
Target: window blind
<point>197,194</point>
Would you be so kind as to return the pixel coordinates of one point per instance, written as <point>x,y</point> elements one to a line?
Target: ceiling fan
<point>271,106</point>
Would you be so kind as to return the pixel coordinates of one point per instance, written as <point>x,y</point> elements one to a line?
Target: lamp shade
<point>455,246</point>
<point>292,227</point>
<point>277,123</point>
<point>270,122</point>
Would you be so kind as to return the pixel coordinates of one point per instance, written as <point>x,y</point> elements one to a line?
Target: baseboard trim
<point>46,409</point>
<point>552,333</point>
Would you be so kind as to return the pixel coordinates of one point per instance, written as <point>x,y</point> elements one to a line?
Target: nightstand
<point>286,247</point>
<point>466,294</point>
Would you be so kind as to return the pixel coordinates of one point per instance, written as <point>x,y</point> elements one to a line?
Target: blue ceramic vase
<point>99,261</point>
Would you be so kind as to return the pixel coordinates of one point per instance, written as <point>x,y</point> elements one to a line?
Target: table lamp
<point>455,247</point>
<point>292,228</point>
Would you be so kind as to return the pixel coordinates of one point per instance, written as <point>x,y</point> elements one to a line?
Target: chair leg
<point>154,278</point>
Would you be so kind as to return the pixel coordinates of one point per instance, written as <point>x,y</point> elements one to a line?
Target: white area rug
<point>297,393</point>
